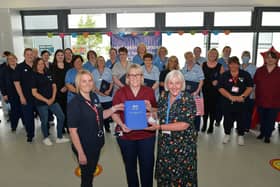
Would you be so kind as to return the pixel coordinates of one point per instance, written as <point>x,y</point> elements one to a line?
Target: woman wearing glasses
<point>136,144</point>
<point>85,121</point>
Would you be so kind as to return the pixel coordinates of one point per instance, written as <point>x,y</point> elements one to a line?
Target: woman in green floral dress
<point>176,164</point>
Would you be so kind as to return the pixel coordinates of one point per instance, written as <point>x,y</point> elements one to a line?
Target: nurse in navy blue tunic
<point>85,120</point>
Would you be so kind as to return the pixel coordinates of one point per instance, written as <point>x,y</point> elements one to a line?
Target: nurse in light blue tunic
<point>113,53</point>
<point>90,65</point>
<point>141,51</point>
<point>194,77</point>
<point>151,74</point>
<point>161,59</point>
<point>103,78</point>
<point>197,54</point>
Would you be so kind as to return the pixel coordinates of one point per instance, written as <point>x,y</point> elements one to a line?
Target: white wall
<point>11,38</point>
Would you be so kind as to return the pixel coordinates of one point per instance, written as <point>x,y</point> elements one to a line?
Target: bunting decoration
<point>157,33</point>
<point>61,35</point>
<point>50,34</point>
<point>85,34</point>
<point>169,33</point>
<point>215,32</point>
<point>205,32</point>
<point>134,33</point>
<point>146,33</point>
<point>109,34</point>
<point>181,33</point>
<point>192,32</point>
<point>226,32</point>
<point>74,35</point>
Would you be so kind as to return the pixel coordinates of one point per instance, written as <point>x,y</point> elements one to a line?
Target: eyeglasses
<point>135,75</point>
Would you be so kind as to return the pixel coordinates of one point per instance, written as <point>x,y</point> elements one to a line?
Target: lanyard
<point>169,106</point>
<point>235,79</point>
<point>100,131</point>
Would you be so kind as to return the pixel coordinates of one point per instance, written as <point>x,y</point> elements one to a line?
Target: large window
<point>76,21</point>
<point>238,42</point>
<point>40,22</point>
<point>184,19</point>
<point>271,19</point>
<point>43,43</point>
<point>97,42</point>
<point>232,18</point>
<point>179,44</point>
<point>266,40</point>
<point>135,20</point>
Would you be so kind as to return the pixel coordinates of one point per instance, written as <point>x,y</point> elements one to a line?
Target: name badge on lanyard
<point>235,89</point>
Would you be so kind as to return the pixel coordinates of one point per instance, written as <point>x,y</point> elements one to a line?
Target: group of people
<point>85,97</point>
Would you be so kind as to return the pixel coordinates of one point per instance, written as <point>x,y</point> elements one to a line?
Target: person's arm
<point>54,90</point>
<point>107,113</point>
<point>117,82</point>
<point>196,92</point>
<point>155,85</point>
<point>78,146</point>
<point>70,87</point>
<point>20,93</point>
<point>38,96</point>
<point>227,95</point>
<point>117,119</point>
<point>107,92</point>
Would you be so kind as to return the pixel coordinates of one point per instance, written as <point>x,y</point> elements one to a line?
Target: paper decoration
<point>181,33</point>
<point>74,35</point>
<point>157,33</point>
<point>146,33</point>
<point>85,34</point>
<point>264,54</point>
<point>121,34</point>
<point>226,32</point>
<point>109,34</point>
<point>205,32</point>
<point>134,33</point>
<point>215,32</point>
<point>61,35</point>
<point>192,32</point>
<point>50,34</point>
<point>169,33</point>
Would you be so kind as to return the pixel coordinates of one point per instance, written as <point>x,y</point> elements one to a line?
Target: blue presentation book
<point>135,114</point>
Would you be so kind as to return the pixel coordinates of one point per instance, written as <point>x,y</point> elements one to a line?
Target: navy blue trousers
<point>143,150</point>
<point>267,120</point>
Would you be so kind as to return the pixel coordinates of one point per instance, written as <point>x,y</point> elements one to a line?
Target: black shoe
<point>108,130</point>
<point>29,140</point>
<point>266,140</point>
<point>210,130</point>
<point>217,124</point>
<point>203,128</point>
<point>13,130</point>
<point>260,137</point>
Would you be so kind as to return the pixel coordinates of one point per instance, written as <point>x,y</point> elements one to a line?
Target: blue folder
<point>191,86</point>
<point>135,114</point>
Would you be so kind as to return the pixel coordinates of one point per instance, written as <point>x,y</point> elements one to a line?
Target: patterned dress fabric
<point>176,164</point>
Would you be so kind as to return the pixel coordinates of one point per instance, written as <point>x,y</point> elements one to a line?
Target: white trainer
<point>47,142</point>
<point>240,140</point>
<point>62,140</point>
<point>226,139</point>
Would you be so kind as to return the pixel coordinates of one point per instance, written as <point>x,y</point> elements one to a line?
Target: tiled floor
<point>35,165</point>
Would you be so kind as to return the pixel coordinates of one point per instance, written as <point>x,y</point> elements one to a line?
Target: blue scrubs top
<point>201,60</point>
<point>138,60</point>
<point>107,76</point>
<point>160,64</point>
<point>88,66</point>
<point>195,74</point>
<point>109,64</point>
<point>70,79</point>
<point>224,64</point>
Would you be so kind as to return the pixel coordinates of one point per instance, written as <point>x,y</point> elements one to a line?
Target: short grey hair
<point>172,74</point>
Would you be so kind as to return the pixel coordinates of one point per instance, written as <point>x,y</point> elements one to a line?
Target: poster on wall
<point>152,43</point>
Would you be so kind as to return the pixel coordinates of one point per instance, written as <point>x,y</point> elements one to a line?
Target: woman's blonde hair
<point>175,59</point>
<point>140,45</point>
<point>78,78</point>
<point>137,67</point>
<point>100,57</point>
<point>213,50</point>
<point>164,48</point>
<point>172,74</point>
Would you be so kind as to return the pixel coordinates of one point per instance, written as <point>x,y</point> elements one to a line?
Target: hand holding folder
<point>135,114</point>
<point>105,85</point>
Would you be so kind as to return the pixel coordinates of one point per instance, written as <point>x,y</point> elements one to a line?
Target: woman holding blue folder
<point>135,144</point>
<point>176,163</point>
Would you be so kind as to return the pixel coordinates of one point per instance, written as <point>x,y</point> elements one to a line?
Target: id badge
<point>235,89</point>
<point>166,132</point>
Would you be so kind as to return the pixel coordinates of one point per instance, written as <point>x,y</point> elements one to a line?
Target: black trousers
<point>107,105</point>
<point>88,170</point>
<point>230,118</point>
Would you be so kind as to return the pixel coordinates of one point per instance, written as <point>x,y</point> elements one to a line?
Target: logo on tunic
<point>134,107</point>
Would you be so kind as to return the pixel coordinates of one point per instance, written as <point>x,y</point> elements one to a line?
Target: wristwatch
<point>243,96</point>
